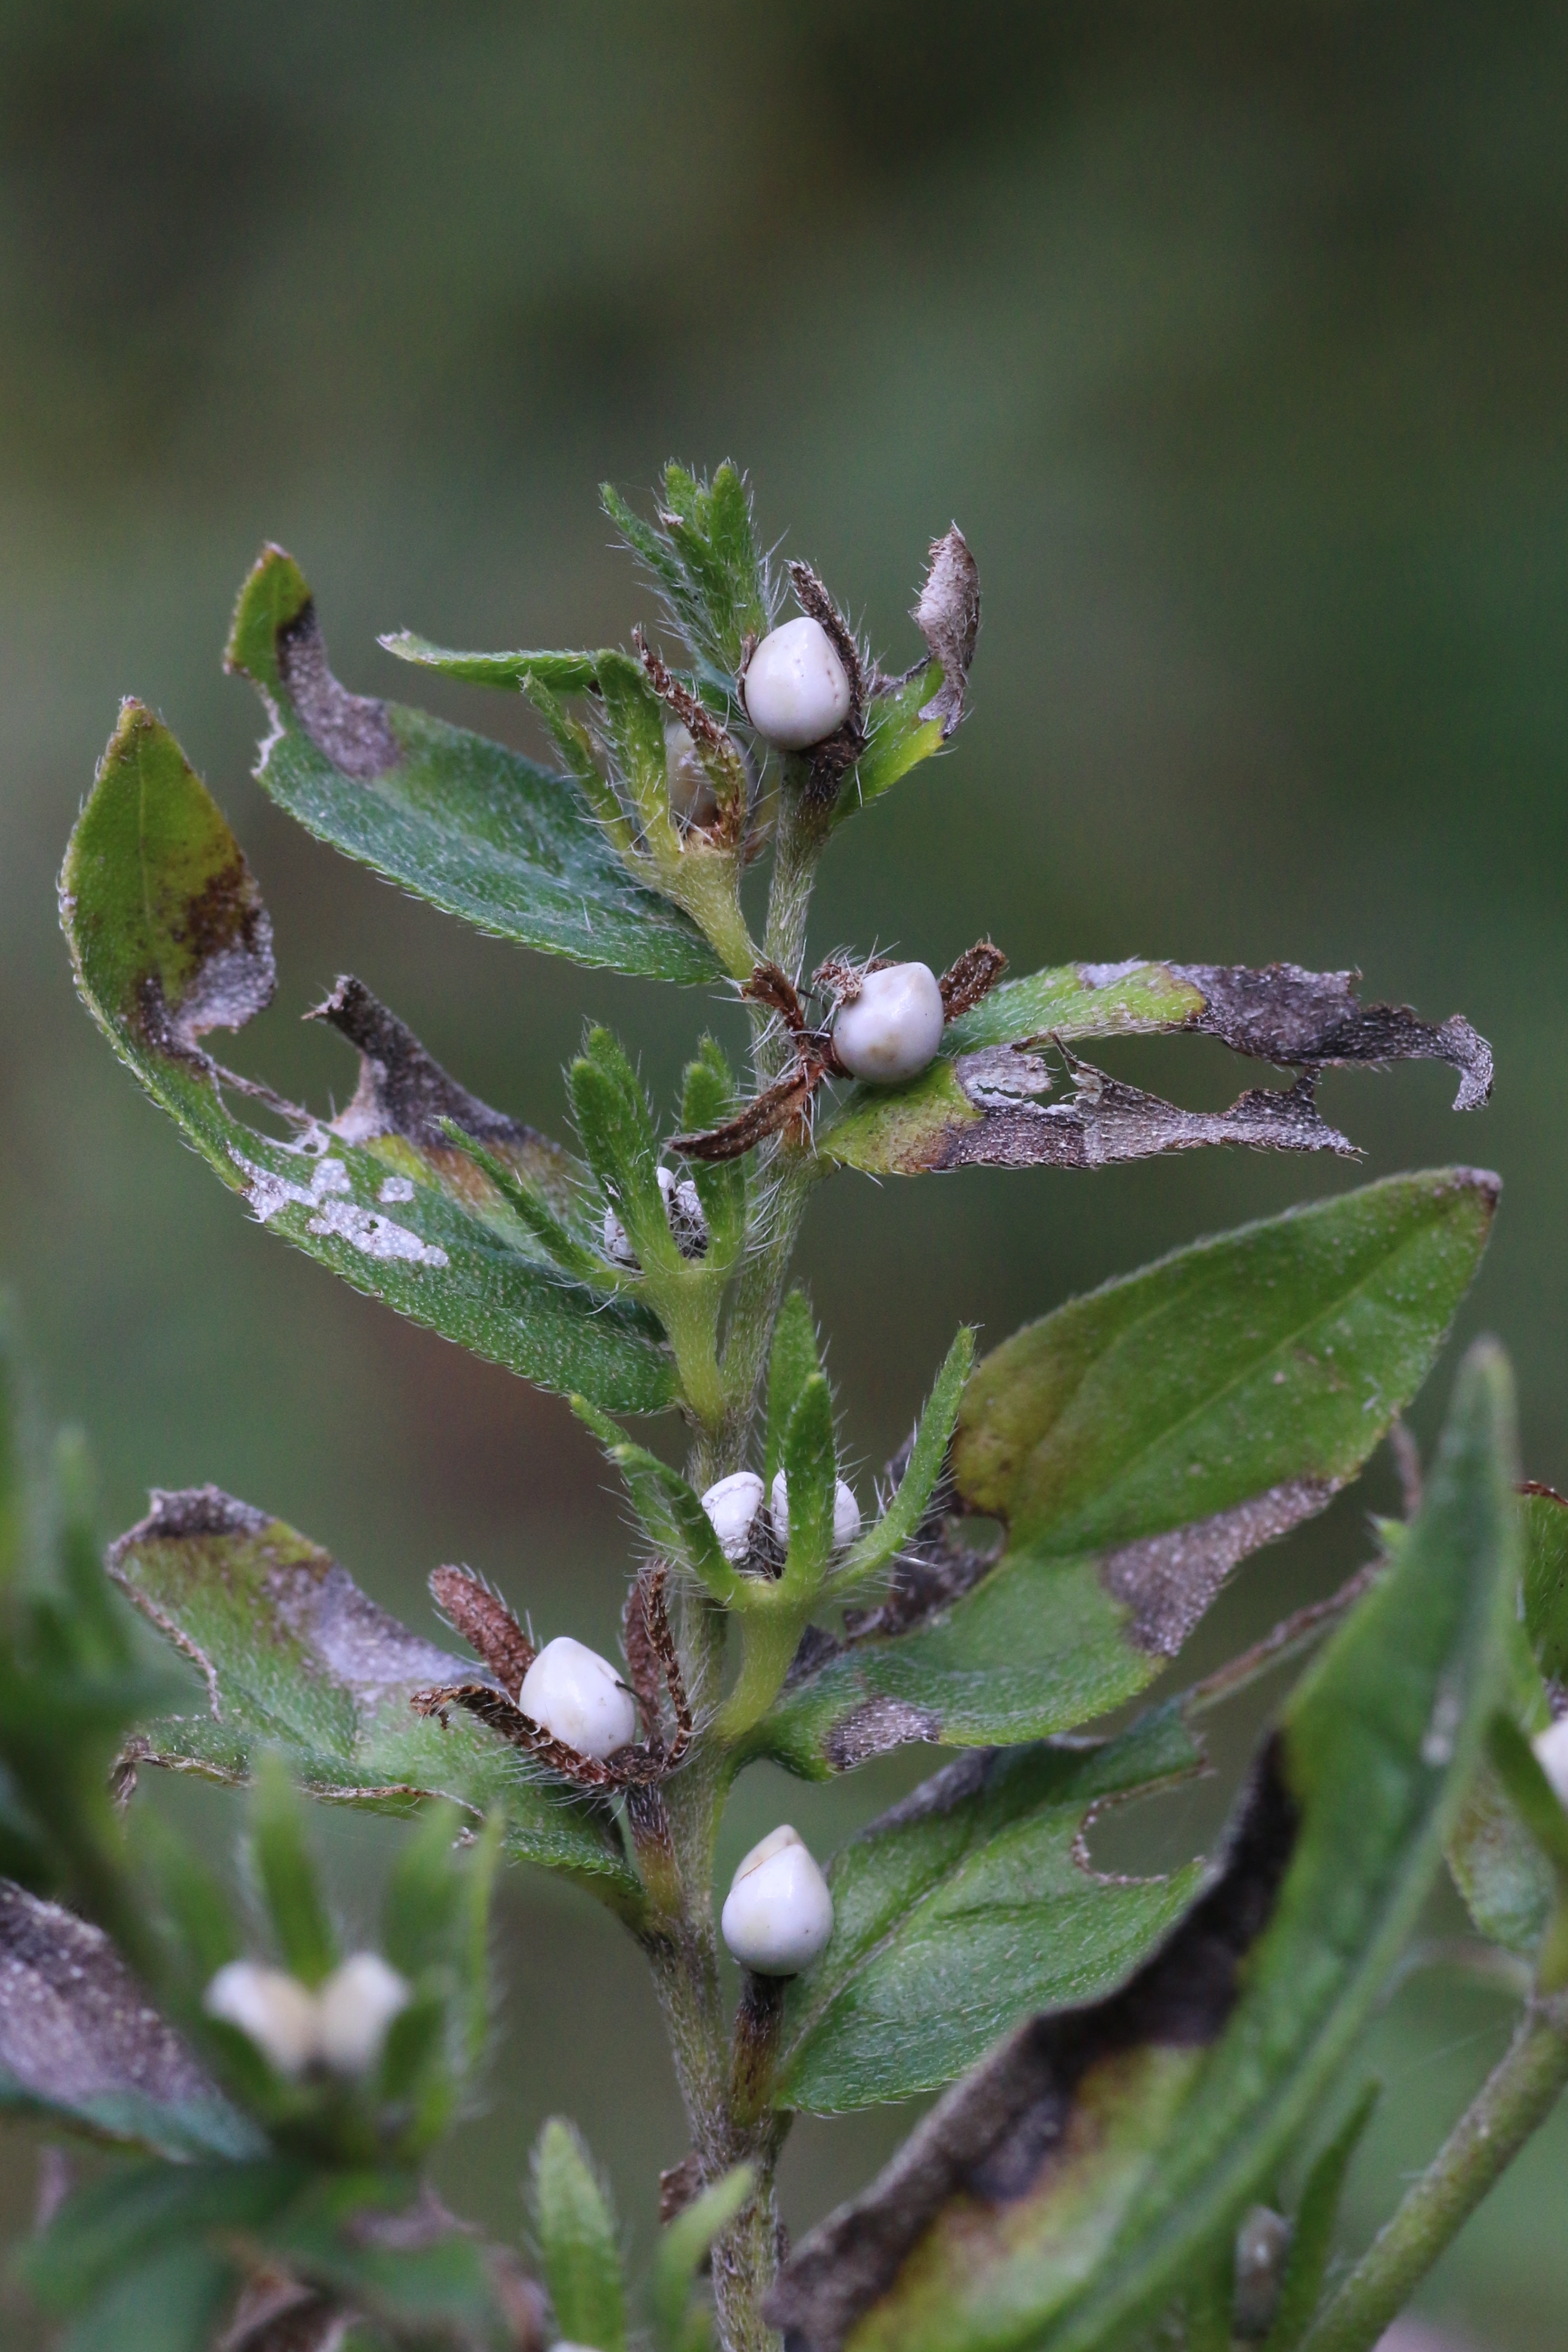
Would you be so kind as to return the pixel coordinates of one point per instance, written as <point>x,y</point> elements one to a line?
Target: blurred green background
<point>1236,340</point>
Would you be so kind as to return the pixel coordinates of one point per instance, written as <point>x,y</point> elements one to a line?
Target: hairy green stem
<point>1514,2101</point>
<point>804,825</point>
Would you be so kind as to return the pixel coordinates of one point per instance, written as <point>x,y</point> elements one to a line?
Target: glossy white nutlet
<point>1551,1755</point>
<point>797,689</point>
<point>682,1207</point>
<point>578,1697</point>
<point>353,2010</point>
<point>274,2010</point>
<point>894,1026</point>
<point>846,1513</point>
<point>732,1505</point>
<point>778,1914</point>
<point>691,794</point>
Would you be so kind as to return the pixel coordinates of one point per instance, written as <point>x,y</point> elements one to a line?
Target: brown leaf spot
<point>872,1729</point>
<point>351,730</point>
<point>1166,1582</point>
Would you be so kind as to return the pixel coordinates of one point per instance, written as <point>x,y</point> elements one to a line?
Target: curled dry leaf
<point>977,1105</point>
<point>948,617</point>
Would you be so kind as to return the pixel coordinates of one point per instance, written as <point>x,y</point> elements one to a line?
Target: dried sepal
<point>972,977</point>
<point>650,1653</point>
<point>485,1622</point>
<point>947,619</point>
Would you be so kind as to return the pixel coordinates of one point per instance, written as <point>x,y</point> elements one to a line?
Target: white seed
<point>846,1513</point>
<point>732,1505</point>
<point>778,1914</point>
<point>617,1248</point>
<point>578,1697</point>
<point>354,2008</point>
<point>1551,1755</point>
<point>894,1026</point>
<point>796,689</point>
<point>691,795</point>
<point>1262,2244</point>
<point>682,1207</point>
<point>274,2010</point>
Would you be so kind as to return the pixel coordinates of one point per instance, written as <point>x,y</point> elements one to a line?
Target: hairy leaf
<point>562,673</point>
<point>1067,2190</point>
<point>171,940</point>
<point>80,2047</point>
<point>475,828</point>
<point>296,1657</point>
<point>702,555</point>
<point>1140,1442</point>
<point>969,1905</point>
<point>1546,1579</point>
<point>577,2241</point>
<point>978,1104</point>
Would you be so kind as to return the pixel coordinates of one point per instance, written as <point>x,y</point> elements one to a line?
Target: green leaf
<point>676,2326</point>
<point>562,673</point>
<point>897,737</point>
<point>1312,2244</point>
<point>1140,1442</point>
<point>976,1104</point>
<point>811,1475</point>
<point>703,556</point>
<point>616,1126</point>
<point>900,1522</point>
<point>634,722</point>
<point>367,2240</point>
<point>286,1869</point>
<point>793,1361</point>
<point>669,1510</point>
<point>708,1097</point>
<point>473,827</point>
<point>172,2304</point>
<point>1545,1518</point>
<point>171,940</point>
<point>81,2047</point>
<point>139,2211</point>
<point>577,2241</point>
<point>1061,2195</point>
<point>1504,1878</point>
<point>297,1657</point>
<point>970,1905</point>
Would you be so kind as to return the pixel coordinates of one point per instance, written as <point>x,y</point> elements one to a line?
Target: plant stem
<point>1516,2098</point>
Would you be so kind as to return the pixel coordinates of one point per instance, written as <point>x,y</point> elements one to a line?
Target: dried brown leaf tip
<point>948,617</point>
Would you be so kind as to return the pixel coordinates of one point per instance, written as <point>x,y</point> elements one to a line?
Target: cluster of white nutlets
<point>340,2026</point>
<point>687,1222</point>
<point>734,1506</point>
